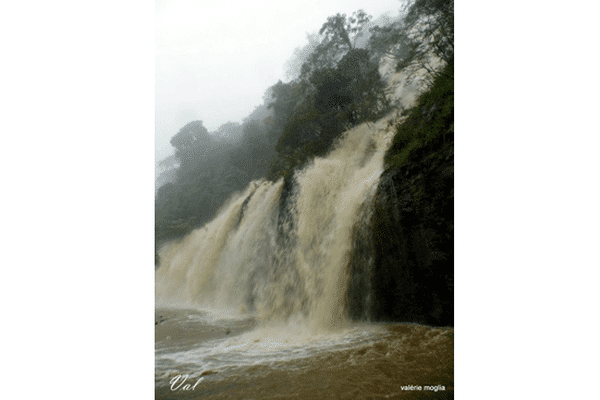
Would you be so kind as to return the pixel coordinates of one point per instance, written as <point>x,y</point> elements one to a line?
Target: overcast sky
<point>215,59</point>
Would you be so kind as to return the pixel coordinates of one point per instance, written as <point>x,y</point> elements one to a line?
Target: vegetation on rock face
<point>413,214</point>
<point>411,229</point>
<point>432,120</point>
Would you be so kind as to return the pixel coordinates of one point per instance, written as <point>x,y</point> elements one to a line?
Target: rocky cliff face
<point>413,237</point>
<point>412,225</point>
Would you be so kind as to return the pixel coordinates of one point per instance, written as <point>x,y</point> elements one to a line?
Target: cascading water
<point>258,303</point>
<point>256,257</point>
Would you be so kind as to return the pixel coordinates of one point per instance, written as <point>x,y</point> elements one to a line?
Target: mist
<point>214,62</point>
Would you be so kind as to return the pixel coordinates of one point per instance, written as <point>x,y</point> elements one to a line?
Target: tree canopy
<point>337,37</point>
<point>424,32</point>
<point>190,136</point>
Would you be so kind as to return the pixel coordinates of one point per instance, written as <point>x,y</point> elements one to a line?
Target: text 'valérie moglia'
<point>178,383</point>
<point>424,388</point>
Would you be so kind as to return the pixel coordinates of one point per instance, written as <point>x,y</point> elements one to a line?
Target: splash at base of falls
<point>226,358</point>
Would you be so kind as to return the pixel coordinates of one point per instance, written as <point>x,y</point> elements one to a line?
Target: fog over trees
<point>334,84</point>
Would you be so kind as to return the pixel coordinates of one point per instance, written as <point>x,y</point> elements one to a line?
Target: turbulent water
<point>362,361</point>
<point>258,302</point>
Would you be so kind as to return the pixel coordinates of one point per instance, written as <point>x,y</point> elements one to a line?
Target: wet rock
<point>413,235</point>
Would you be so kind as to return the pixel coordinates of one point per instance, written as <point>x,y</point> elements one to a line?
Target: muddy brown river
<point>204,355</point>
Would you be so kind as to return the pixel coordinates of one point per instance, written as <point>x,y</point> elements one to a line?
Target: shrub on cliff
<point>431,120</point>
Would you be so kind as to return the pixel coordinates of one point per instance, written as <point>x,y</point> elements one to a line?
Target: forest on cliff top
<point>336,85</point>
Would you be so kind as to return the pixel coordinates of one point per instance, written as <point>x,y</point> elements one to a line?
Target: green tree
<point>190,136</point>
<point>389,40</point>
<point>339,86</point>
<point>338,37</point>
<point>424,32</point>
<point>294,65</point>
<point>340,32</point>
<point>365,85</point>
<point>429,30</point>
<point>432,22</point>
<point>191,143</point>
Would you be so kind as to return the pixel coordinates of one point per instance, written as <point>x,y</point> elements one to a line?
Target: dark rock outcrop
<point>413,236</point>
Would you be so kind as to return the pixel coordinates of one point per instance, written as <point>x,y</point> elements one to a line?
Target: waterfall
<point>291,255</point>
<point>285,263</point>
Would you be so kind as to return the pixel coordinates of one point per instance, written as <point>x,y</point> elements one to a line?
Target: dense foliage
<point>339,86</point>
<point>431,121</point>
<point>420,39</point>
